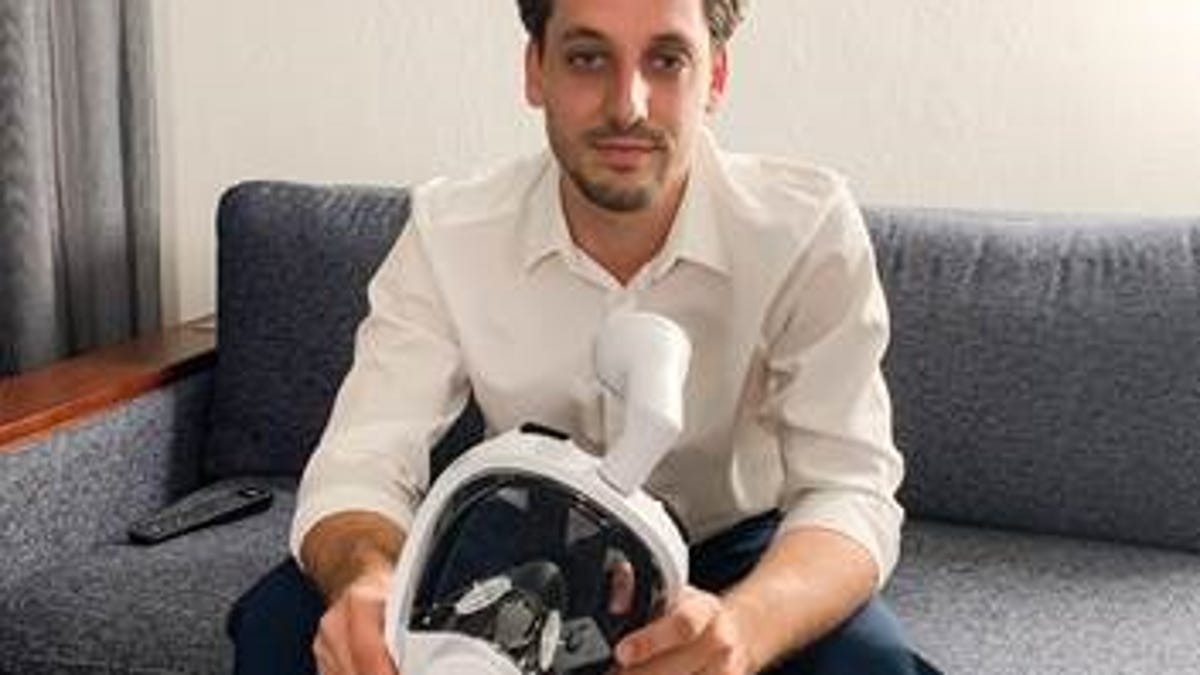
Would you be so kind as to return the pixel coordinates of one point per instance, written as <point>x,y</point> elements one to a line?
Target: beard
<point>601,189</point>
<point>611,197</point>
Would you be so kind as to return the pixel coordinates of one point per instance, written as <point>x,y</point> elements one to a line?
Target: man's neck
<point>621,243</point>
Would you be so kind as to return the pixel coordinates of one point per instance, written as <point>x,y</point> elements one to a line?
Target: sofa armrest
<point>36,403</point>
<point>92,443</point>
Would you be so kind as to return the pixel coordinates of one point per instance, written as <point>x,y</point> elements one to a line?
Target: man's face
<point>625,85</point>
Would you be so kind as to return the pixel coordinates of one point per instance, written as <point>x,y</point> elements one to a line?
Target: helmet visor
<point>541,572</point>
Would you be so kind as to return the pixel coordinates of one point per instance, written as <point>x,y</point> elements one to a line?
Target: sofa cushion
<point>83,484</point>
<point>1044,370</point>
<point>294,263</point>
<point>988,602</point>
<point>157,609</point>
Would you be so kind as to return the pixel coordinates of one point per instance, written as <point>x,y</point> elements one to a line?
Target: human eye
<point>668,61</point>
<point>586,59</point>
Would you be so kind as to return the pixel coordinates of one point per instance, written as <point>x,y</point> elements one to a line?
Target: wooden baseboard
<point>36,403</point>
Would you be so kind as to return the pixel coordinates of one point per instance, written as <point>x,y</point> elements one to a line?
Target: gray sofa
<point>1046,379</point>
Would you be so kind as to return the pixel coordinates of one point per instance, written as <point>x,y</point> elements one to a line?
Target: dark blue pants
<point>274,623</point>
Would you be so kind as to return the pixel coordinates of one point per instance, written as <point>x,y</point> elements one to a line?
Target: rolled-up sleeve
<point>405,387</point>
<point>827,398</point>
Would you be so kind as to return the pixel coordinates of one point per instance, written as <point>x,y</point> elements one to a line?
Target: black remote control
<point>210,506</point>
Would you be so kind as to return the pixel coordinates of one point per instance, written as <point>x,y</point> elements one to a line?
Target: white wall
<point>1064,105</point>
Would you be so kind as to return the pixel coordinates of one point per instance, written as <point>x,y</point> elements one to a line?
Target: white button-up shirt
<point>767,268</point>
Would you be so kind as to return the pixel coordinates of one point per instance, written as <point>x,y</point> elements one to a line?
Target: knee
<point>871,641</point>
<point>274,623</point>
<point>865,653</point>
<point>282,608</point>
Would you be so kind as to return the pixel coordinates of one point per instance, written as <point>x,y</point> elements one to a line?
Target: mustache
<point>638,131</point>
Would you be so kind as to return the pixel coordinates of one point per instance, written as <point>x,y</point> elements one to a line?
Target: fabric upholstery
<point>129,609</point>
<point>987,602</point>
<point>1044,370</point>
<point>84,485</point>
<point>294,262</point>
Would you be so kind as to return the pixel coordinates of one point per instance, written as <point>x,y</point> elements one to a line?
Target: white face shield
<point>529,556</point>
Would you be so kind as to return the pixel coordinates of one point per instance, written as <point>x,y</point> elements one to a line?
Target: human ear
<point>534,94</point>
<point>719,78</point>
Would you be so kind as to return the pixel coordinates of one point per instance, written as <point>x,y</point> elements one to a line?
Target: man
<point>785,472</point>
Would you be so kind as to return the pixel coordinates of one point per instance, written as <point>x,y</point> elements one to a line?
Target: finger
<point>727,655</point>
<point>370,657</point>
<point>722,668</point>
<point>622,584</point>
<point>687,659</point>
<point>334,641</point>
<point>321,654</point>
<point>683,623</point>
<point>367,645</point>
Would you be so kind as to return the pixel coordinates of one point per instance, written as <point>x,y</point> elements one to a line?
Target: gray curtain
<point>79,251</point>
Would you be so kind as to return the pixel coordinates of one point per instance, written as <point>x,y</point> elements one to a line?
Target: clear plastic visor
<point>540,572</point>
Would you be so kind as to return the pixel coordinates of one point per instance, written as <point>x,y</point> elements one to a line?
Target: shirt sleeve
<point>405,387</point>
<point>826,392</point>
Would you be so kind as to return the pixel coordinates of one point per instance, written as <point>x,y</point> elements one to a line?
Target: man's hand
<point>807,583</point>
<point>351,557</point>
<point>700,633</point>
<point>350,637</point>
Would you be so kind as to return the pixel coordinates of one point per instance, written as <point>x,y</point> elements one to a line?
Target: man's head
<point>625,86</point>
<point>723,17</point>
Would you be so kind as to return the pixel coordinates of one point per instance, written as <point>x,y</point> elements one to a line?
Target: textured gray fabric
<point>985,602</point>
<point>1044,375</point>
<point>79,259</point>
<point>1045,370</point>
<point>129,609</point>
<point>84,485</point>
<point>294,265</point>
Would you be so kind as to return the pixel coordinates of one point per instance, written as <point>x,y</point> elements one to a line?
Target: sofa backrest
<point>1045,371</point>
<point>294,262</point>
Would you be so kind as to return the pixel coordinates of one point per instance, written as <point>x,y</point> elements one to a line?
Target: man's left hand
<point>699,634</point>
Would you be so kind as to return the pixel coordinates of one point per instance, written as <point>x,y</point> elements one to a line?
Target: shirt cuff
<point>866,519</point>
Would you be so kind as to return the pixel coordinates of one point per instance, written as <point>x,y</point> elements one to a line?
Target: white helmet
<point>530,556</point>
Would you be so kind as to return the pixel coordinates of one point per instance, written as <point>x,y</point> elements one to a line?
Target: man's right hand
<point>351,557</point>
<point>350,637</point>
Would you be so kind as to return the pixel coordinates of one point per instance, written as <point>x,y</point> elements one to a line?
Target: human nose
<point>630,98</point>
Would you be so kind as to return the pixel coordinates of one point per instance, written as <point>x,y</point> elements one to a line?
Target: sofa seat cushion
<point>989,602</point>
<point>132,609</point>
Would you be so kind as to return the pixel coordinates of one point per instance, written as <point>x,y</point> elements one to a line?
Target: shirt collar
<point>695,236</point>
<point>545,226</point>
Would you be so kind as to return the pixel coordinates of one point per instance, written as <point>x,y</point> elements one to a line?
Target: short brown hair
<point>723,17</point>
